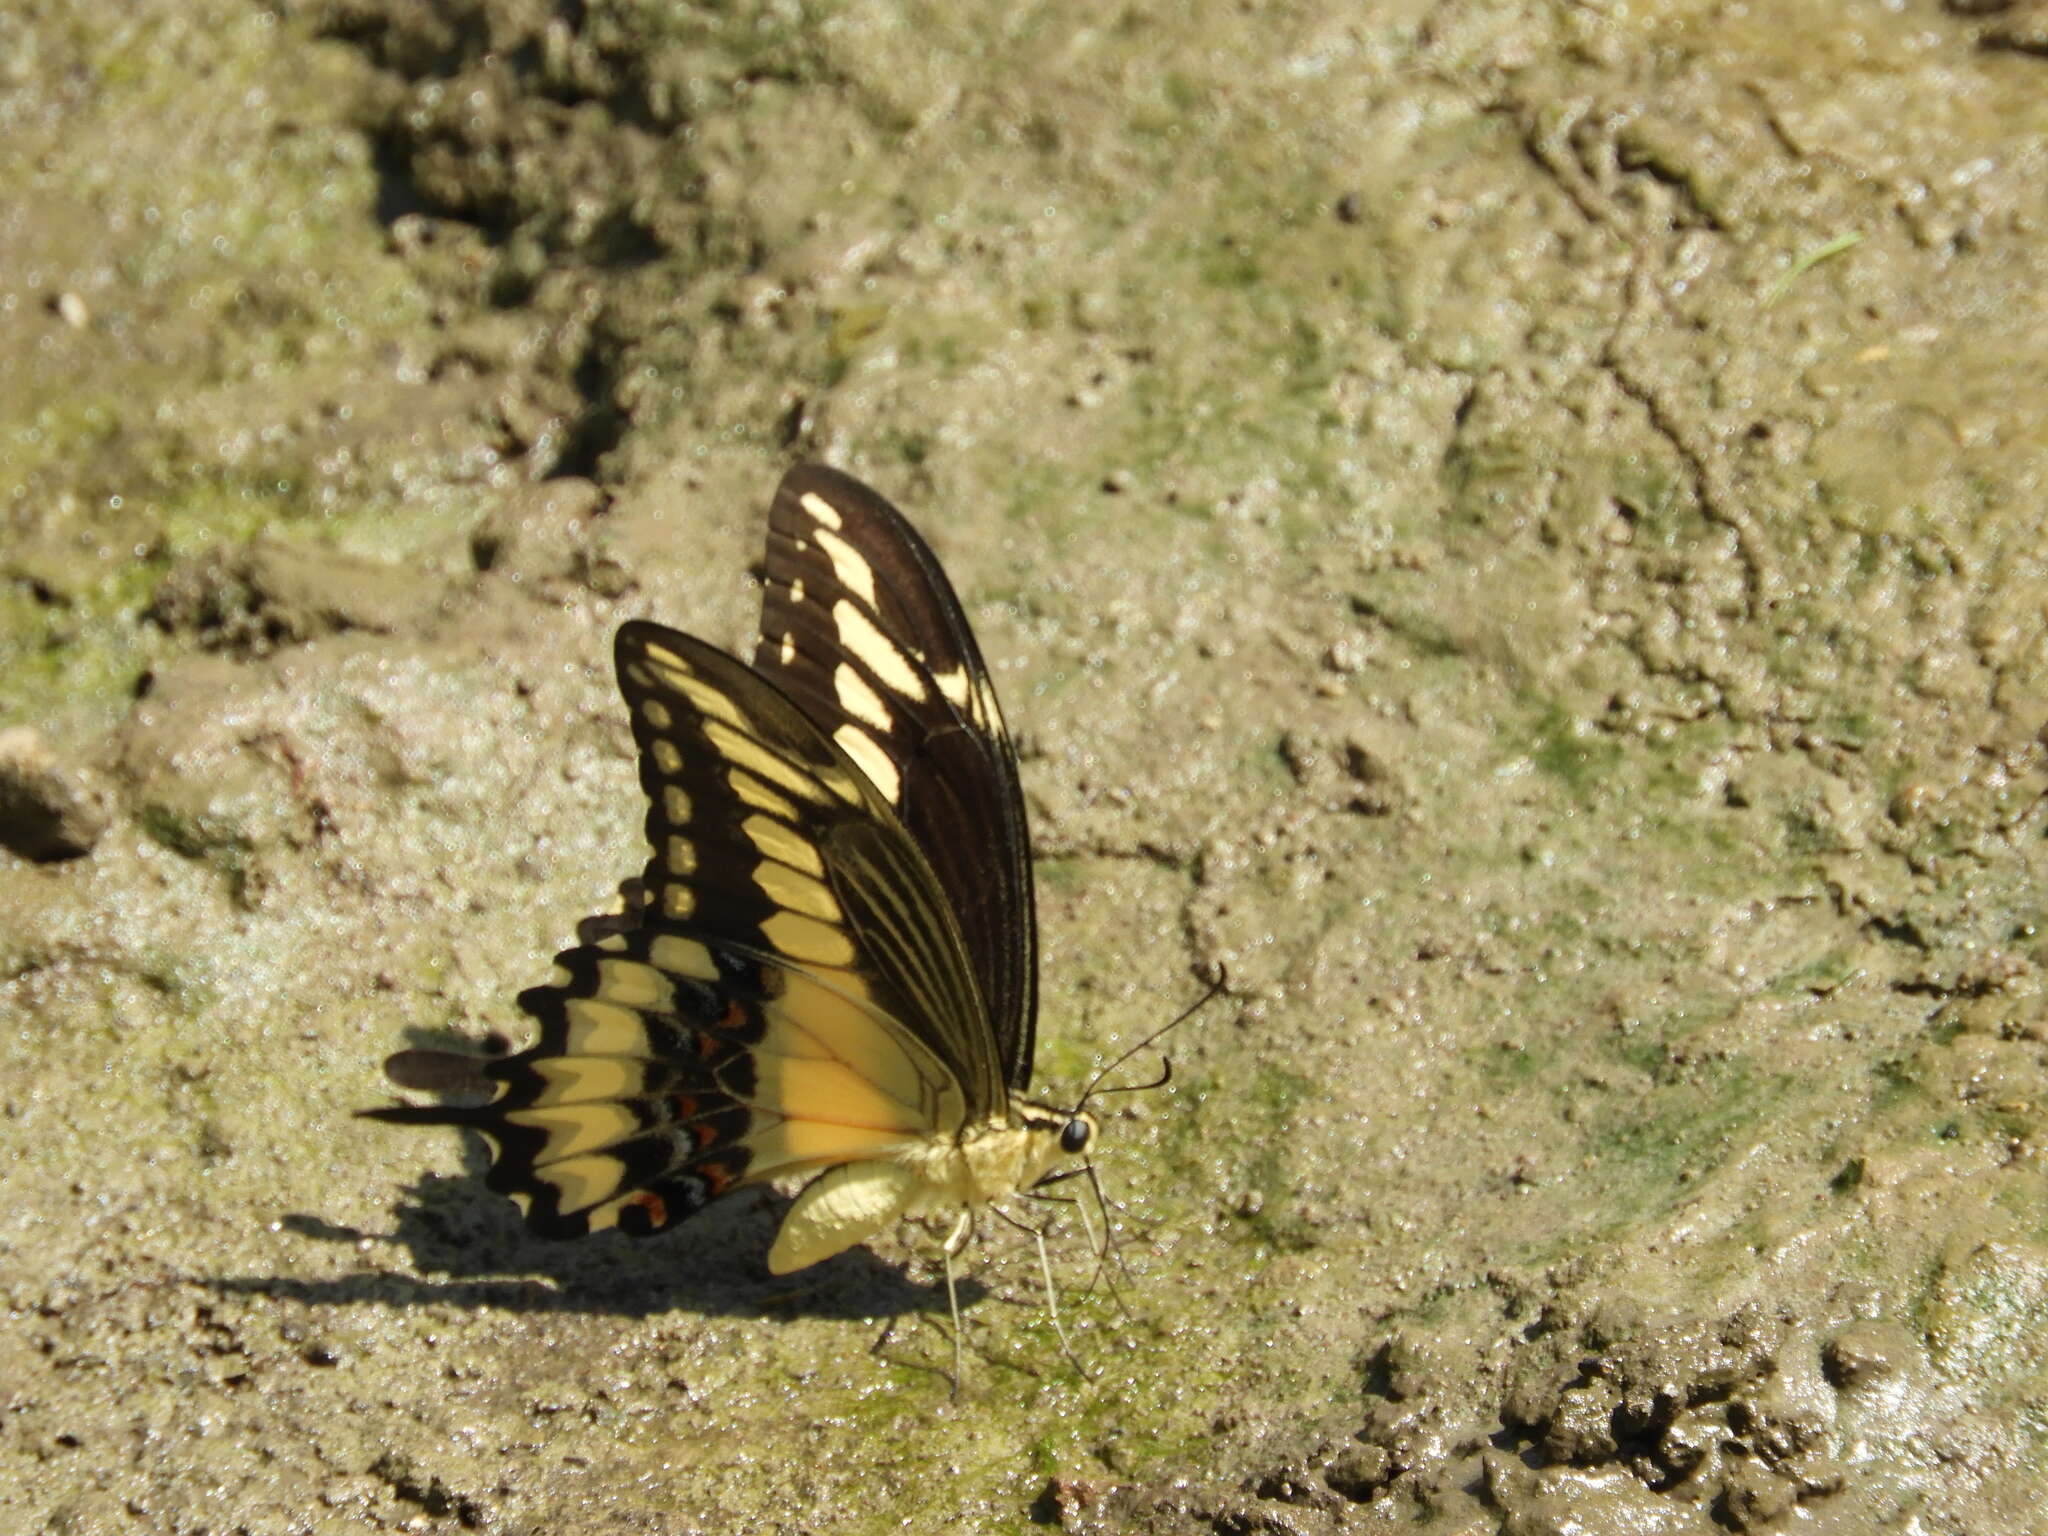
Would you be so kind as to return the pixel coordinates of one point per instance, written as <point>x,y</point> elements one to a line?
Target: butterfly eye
<point>1075,1137</point>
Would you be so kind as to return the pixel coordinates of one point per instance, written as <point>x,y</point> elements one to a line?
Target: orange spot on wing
<point>655,1208</point>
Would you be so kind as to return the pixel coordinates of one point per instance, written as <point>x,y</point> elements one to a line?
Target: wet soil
<point>1513,529</point>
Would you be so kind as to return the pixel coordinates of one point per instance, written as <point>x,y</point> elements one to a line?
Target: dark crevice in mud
<point>1968,987</point>
<point>1520,1444</point>
<point>432,50</point>
<point>620,242</point>
<point>1378,1376</point>
<point>480,119</point>
<point>602,424</point>
<point>398,193</point>
<point>426,1491</point>
<point>1180,861</point>
<point>1899,931</point>
<point>1636,162</point>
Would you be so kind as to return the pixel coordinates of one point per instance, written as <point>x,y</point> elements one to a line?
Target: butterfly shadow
<point>468,1248</point>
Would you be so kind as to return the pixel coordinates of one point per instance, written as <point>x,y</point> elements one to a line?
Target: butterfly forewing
<point>763,834</point>
<point>860,628</point>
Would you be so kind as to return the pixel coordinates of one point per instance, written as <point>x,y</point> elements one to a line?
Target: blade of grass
<point>1802,264</point>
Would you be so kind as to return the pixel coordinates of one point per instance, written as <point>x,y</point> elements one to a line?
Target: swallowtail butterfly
<point>832,966</point>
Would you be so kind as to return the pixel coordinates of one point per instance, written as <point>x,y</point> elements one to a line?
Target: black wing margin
<point>861,629</point>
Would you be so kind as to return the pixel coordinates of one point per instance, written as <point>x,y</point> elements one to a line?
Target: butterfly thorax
<point>983,1162</point>
<point>1003,1155</point>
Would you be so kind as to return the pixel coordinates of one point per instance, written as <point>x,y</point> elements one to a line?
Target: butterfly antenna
<point>1166,1069</point>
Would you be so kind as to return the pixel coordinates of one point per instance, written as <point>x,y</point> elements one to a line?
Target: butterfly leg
<point>1052,1300</point>
<point>1052,1308</point>
<point>1107,1250</point>
<point>1100,1245</point>
<point>1098,1249</point>
<point>955,1240</point>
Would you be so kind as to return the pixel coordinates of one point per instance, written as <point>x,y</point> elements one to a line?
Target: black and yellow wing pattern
<point>861,629</point>
<point>831,962</point>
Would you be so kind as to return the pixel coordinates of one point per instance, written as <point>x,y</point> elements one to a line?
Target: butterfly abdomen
<point>982,1163</point>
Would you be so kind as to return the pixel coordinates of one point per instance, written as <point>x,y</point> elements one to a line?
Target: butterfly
<point>829,967</point>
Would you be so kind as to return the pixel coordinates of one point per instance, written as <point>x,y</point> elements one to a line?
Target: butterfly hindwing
<point>861,629</point>
<point>669,1070</point>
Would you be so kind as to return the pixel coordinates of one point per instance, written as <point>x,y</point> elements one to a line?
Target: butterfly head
<point>1071,1132</point>
<point>1052,1134</point>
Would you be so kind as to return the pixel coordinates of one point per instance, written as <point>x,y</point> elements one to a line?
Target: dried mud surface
<point>1517,529</point>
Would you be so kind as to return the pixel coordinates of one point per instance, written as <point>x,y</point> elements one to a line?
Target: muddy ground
<point>1515,528</point>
